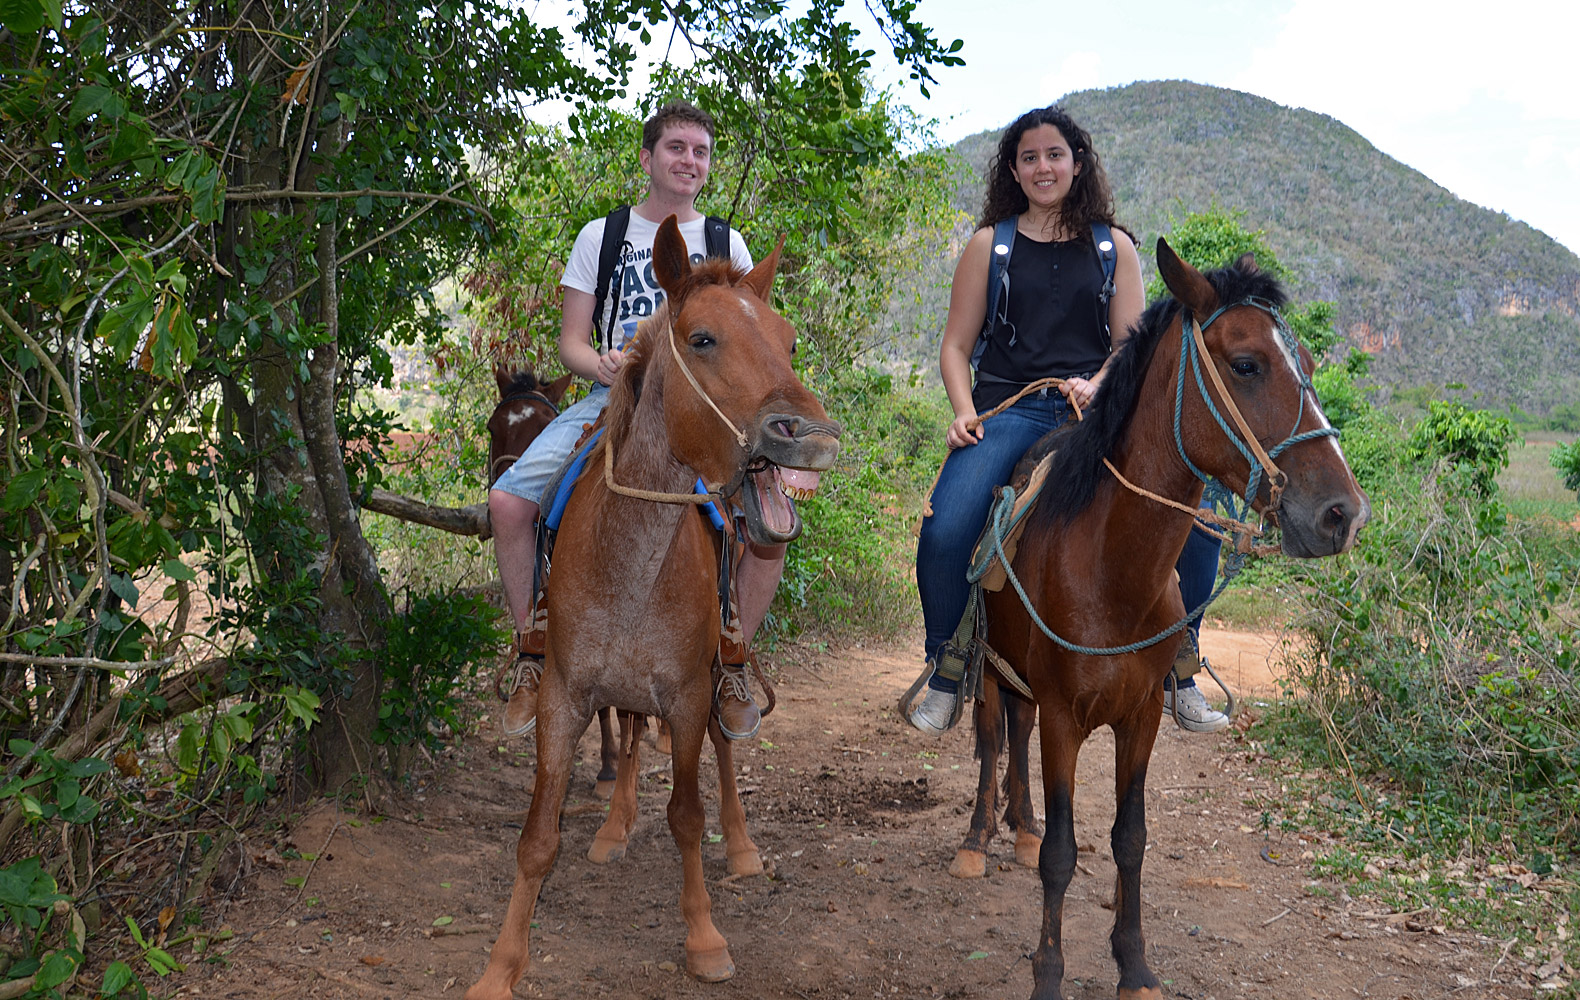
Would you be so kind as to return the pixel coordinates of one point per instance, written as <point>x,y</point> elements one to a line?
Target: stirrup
<point>909,697</point>
<point>1233,707</point>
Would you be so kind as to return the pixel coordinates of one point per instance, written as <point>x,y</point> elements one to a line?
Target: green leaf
<point>58,967</point>
<point>23,489</point>
<point>187,747</point>
<point>175,569</point>
<point>443,921</point>
<point>976,955</point>
<point>124,588</point>
<point>116,978</point>
<point>22,16</point>
<point>96,100</point>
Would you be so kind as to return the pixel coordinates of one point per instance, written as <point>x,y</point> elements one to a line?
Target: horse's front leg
<point>611,840</point>
<point>1056,862</point>
<point>744,858</point>
<point>1021,715</point>
<point>1133,742</point>
<point>559,728</point>
<point>971,857</point>
<point>707,953</point>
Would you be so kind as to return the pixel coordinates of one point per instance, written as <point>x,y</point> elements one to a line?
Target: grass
<point>1532,486</point>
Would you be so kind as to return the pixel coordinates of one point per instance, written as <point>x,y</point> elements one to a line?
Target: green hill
<point>1437,289</point>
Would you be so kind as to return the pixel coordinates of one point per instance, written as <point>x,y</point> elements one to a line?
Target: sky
<point>1482,98</point>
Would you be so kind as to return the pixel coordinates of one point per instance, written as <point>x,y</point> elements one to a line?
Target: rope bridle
<point>719,493</point>
<point>1192,349</point>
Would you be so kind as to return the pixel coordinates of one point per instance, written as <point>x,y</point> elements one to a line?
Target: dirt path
<point>858,817</point>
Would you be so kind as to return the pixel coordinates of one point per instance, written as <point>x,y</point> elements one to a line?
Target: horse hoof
<point>711,966</point>
<point>1028,849</point>
<point>746,863</point>
<point>604,851</point>
<point>1144,993</point>
<point>604,789</point>
<point>968,864</point>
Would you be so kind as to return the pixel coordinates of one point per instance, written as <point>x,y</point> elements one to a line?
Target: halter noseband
<point>1192,347</point>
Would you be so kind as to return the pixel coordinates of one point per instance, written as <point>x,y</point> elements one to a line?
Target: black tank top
<point>1053,327</point>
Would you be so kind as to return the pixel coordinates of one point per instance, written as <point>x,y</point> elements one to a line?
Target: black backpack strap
<point>1103,243</point>
<point>998,285</point>
<point>716,233</point>
<point>614,227</point>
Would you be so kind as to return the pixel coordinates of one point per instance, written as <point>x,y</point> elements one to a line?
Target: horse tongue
<point>802,479</point>
<point>776,510</point>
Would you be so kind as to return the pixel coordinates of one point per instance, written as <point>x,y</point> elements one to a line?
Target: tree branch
<point>469,520</point>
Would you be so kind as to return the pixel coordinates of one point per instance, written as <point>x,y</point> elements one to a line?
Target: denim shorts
<point>531,473</point>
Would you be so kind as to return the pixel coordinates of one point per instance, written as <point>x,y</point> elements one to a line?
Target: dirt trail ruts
<point>858,817</point>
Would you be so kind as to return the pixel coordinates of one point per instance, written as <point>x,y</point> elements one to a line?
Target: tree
<point>216,216</point>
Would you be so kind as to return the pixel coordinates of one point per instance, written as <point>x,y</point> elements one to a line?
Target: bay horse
<point>1096,562</point>
<point>633,613</point>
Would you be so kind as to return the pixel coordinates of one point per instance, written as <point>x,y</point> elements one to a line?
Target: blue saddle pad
<point>570,470</point>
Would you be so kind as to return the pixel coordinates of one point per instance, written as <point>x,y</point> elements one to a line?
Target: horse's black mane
<point>525,381</point>
<point>1078,466</point>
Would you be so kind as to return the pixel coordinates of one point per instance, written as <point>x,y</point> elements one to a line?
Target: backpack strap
<point>998,285</point>
<point>614,227</point>
<point>1103,242</point>
<point>716,233</point>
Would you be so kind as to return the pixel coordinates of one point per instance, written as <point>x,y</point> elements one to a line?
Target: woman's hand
<point>963,431</point>
<point>1079,391</point>
<point>609,366</point>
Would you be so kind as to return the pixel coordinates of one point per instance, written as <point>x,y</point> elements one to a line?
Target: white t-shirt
<point>641,293</point>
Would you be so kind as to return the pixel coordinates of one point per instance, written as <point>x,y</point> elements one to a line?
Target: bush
<point>1473,440</point>
<point>1439,651</point>
<point>1566,459</point>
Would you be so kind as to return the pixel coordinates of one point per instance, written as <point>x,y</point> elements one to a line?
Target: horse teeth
<point>796,492</point>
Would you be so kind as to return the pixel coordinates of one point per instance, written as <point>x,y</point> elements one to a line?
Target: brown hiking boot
<point>521,713</point>
<point>739,717</point>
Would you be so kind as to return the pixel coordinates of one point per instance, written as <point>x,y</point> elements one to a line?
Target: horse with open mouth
<point>707,392</point>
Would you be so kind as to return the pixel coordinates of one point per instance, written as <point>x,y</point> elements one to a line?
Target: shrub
<point>1566,459</point>
<point>1473,440</point>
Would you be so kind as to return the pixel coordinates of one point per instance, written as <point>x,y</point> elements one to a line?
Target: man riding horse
<point>676,153</point>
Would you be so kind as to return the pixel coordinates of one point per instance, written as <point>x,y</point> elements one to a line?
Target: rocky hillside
<point>1438,289</point>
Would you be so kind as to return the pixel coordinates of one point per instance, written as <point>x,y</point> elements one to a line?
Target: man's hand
<point>609,366</point>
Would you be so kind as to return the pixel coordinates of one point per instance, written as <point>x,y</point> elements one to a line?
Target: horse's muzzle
<point>797,442</point>
<point>1323,528</point>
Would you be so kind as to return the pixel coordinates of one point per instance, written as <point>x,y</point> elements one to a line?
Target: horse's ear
<point>761,278</point>
<point>1185,282</point>
<point>671,261</point>
<point>555,390</point>
<point>1247,264</point>
<point>505,379</point>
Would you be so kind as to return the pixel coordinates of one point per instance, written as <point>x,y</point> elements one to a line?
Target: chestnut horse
<point>707,391</point>
<point>526,406</point>
<point>1097,557</point>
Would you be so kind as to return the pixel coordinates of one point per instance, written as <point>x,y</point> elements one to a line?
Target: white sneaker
<point>1194,712</point>
<point>936,713</point>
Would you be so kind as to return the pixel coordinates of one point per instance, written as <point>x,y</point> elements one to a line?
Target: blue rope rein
<point>1215,493</point>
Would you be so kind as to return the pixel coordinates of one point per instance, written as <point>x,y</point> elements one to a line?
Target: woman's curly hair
<point>1090,199</point>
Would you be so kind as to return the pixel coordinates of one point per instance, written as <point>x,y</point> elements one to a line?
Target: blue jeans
<point>961,502</point>
<point>1198,570</point>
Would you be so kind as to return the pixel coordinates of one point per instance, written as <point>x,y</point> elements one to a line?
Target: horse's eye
<point>1245,367</point>
<point>701,341</point>
<point>793,345</point>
